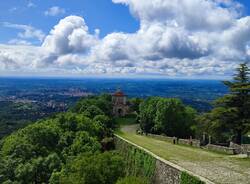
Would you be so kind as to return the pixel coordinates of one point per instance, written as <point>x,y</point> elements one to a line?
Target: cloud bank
<point>175,38</point>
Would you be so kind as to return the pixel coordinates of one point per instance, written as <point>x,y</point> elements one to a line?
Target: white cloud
<point>175,38</point>
<point>18,42</point>
<point>70,35</point>
<point>28,32</point>
<point>54,11</point>
<point>19,58</point>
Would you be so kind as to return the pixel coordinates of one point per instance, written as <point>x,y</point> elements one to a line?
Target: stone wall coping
<point>167,162</point>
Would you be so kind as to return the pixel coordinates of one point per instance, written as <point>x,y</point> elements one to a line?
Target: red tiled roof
<point>119,94</point>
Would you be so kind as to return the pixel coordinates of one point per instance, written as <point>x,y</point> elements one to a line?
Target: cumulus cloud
<point>175,38</point>
<point>194,14</point>
<point>70,35</point>
<point>54,11</point>
<point>20,59</point>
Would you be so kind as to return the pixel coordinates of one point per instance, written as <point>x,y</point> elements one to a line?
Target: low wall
<point>190,142</point>
<point>245,148</point>
<point>163,172</point>
<point>221,149</point>
<point>240,149</point>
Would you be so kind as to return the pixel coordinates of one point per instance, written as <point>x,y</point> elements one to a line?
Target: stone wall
<point>245,148</point>
<point>190,142</point>
<point>221,149</point>
<point>240,149</point>
<point>164,172</point>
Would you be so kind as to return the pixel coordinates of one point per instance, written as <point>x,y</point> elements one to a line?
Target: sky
<point>168,38</point>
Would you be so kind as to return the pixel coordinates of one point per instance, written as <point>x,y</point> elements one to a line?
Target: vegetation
<point>94,104</point>
<point>167,116</point>
<point>105,168</point>
<point>138,162</point>
<point>14,116</point>
<point>73,147</point>
<point>126,120</point>
<point>135,104</point>
<point>211,165</point>
<point>188,179</point>
<point>78,146</point>
<point>132,180</point>
<point>230,119</point>
<point>32,154</point>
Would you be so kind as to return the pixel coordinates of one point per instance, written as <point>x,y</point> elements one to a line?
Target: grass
<point>216,167</point>
<point>126,120</point>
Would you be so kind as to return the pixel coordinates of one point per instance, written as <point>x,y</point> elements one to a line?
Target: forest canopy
<point>67,148</point>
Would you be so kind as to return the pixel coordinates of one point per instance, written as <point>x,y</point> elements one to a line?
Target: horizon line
<point>118,77</point>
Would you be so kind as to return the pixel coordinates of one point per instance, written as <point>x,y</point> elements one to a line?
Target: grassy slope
<point>216,167</point>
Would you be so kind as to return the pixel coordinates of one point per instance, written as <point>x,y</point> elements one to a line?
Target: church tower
<point>120,106</point>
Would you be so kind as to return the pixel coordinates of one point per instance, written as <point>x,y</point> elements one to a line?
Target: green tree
<point>168,116</point>
<point>147,114</point>
<point>93,111</point>
<point>84,143</point>
<point>104,168</point>
<point>103,102</point>
<point>135,104</point>
<point>39,152</point>
<point>231,115</point>
<point>238,102</point>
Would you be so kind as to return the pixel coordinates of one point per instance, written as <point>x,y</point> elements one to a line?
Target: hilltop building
<point>120,105</point>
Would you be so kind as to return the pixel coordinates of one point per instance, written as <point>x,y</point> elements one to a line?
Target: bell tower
<point>119,100</point>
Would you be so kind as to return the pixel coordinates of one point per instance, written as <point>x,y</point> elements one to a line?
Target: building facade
<point>120,105</point>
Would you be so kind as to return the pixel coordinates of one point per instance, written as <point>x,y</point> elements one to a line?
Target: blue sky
<point>98,14</point>
<point>177,38</point>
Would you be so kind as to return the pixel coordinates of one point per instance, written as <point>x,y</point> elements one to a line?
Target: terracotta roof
<point>119,94</point>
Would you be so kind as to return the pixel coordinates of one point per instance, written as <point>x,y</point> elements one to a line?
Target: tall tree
<point>236,104</point>
<point>167,115</point>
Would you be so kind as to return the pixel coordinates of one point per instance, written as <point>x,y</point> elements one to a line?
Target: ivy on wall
<point>188,179</point>
<point>138,162</point>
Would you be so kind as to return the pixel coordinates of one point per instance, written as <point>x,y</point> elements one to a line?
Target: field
<point>216,167</point>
